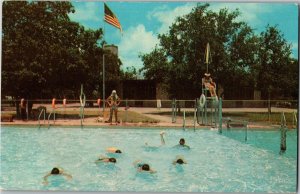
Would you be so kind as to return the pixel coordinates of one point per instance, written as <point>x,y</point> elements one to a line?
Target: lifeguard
<point>209,84</point>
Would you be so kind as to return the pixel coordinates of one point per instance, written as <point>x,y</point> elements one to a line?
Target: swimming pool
<point>216,163</point>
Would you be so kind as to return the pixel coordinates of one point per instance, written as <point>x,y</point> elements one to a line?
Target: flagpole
<point>103,70</point>
<point>110,18</point>
<point>103,75</point>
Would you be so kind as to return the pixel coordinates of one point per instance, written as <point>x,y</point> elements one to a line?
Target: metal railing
<point>53,112</point>
<point>251,110</point>
<point>235,123</point>
<point>42,111</point>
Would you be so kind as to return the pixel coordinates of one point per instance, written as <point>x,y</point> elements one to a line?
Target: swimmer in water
<point>162,140</point>
<point>106,159</point>
<point>54,172</point>
<point>182,144</point>
<point>143,167</point>
<point>113,150</point>
<point>179,160</point>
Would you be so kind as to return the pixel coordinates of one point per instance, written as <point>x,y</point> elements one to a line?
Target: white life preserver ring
<point>202,100</point>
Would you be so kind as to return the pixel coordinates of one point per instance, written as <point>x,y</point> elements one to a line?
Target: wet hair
<point>181,141</point>
<point>179,161</point>
<point>113,160</point>
<point>55,171</point>
<point>146,167</point>
<point>118,151</point>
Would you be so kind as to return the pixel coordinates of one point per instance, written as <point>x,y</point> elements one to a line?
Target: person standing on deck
<point>113,101</point>
<point>23,109</point>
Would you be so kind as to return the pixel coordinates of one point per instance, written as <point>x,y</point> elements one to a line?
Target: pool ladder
<point>39,118</point>
<point>231,123</point>
<point>49,118</point>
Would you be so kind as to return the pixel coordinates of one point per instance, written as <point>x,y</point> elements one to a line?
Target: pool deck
<point>164,121</point>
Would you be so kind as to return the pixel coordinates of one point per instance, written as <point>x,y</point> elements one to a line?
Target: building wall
<point>112,48</point>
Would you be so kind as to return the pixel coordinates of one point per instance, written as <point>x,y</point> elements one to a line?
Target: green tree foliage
<point>184,48</point>
<point>236,53</point>
<point>45,54</point>
<point>129,74</point>
<point>276,72</point>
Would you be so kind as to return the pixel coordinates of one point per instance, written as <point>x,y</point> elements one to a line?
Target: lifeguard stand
<point>206,102</point>
<point>210,104</point>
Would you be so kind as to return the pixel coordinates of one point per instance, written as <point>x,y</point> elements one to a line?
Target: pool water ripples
<point>216,163</point>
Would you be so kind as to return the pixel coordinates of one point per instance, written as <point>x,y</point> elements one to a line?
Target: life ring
<point>53,102</point>
<point>82,101</point>
<point>202,100</point>
<point>64,102</point>
<point>98,101</point>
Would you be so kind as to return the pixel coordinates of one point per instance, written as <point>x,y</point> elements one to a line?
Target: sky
<point>143,21</point>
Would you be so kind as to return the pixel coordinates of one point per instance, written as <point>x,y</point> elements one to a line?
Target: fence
<point>154,111</point>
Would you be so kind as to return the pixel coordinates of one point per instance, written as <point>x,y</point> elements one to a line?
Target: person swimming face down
<point>145,167</point>
<point>55,171</point>
<point>112,160</point>
<point>179,161</point>
<point>118,151</point>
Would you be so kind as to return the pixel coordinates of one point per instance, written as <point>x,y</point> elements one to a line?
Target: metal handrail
<point>42,111</point>
<point>49,118</point>
<point>283,120</point>
<point>295,120</point>
<point>183,121</point>
<point>244,123</point>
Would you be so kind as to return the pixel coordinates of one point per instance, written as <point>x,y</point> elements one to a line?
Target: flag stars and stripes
<point>111,18</point>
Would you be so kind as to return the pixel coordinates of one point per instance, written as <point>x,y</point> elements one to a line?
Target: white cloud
<point>136,40</point>
<point>294,49</point>
<point>295,45</point>
<point>86,12</point>
<point>167,16</point>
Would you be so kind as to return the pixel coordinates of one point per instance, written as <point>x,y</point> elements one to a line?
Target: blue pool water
<point>216,163</point>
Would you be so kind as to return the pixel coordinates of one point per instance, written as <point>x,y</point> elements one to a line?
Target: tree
<point>275,74</point>
<point>155,65</point>
<point>183,49</point>
<point>129,74</point>
<point>240,58</point>
<point>45,54</point>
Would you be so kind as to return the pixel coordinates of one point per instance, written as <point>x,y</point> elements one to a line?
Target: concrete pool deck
<point>163,121</point>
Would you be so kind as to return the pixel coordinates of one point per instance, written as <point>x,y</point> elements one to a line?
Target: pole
<point>126,102</point>
<point>103,70</point>
<point>220,115</point>
<point>173,110</point>
<point>195,109</point>
<point>183,120</point>
<point>103,76</point>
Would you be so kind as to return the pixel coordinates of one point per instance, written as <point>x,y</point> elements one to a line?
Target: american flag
<point>111,18</point>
